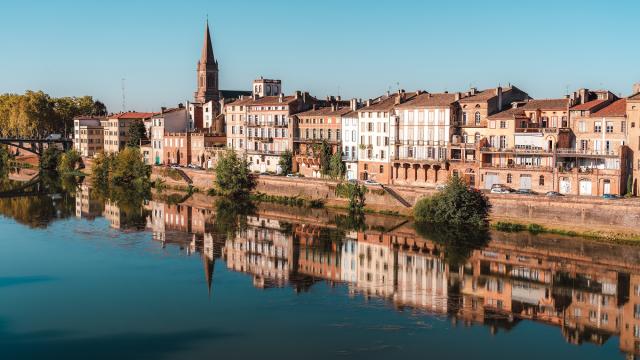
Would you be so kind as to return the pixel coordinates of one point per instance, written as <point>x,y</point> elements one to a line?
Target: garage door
<point>565,186</point>
<point>585,187</point>
<point>525,181</point>
<point>490,179</point>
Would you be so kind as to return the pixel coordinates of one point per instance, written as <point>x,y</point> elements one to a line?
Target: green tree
<point>233,177</point>
<point>324,156</point>
<point>456,204</point>
<point>68,161</point>
<point>337,167</point>
<point>286,162</point>
<point>50,159</point>
<point>629,185</point>
<point>137,133</point>
<point>129,169</point>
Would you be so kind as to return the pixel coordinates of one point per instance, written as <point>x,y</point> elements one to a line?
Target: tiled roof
<point>130,115</point>
<point>635,96</point>
<point>508,114</point>
<point>588,105</point>
<point>484,95</point>
<point>387,103</point>
<point>428,100</point>
<point>617,108</point>
<point>547,104</point>
<point>273,100</point>
<point>325,111</point>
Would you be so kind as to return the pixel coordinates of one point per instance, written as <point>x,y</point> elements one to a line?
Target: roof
<point>635,96</point>
<point>207,48</point>
<point>617,108</point>
<point>130,115</point>
<point>234,94</point>
<point>325,111</point>
<point>508,114</point>
<point>387,103</point>
<point>429,100</point>
<point>88,117</point>
<point>487,94</point>
<point>588,105</point>
<point>547,104</point>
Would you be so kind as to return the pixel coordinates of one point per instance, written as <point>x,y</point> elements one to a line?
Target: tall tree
<point>137,133</point>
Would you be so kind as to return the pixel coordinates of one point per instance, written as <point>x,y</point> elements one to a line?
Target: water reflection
<point>589,291</point>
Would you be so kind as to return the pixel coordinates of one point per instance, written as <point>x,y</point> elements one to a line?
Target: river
<point>83,276</point>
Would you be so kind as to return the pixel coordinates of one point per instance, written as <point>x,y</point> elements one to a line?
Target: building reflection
<point>588,290</point>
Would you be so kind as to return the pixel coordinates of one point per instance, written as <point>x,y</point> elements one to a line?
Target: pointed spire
<point>208,271</point>
<point>207,48</point>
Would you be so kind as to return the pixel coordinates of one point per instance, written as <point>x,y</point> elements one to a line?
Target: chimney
<point>368,102</point>
<point>281,97</point>
<point>180,106</point>
<point>304,97</point>
<point>314,107</point>
<point>333,106</point>
<point>338,98</point>
<point>636,88</point>
<point>354,104</point>
<point>583,95</point>
<point>163,109</point>
<point>473,91</point>
<point>499,95</point>
<point>457,96</point>
<point>254,96</point>
<point>298,94</point>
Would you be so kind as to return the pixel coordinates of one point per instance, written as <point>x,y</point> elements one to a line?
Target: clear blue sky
<point>356,48</point>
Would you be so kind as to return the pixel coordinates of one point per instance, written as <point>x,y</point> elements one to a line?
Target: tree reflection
<point>126,203</point>
<point>231,215</point>
<point>458,241</point>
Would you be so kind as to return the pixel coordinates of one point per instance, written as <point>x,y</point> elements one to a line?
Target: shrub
<point>286,162</point>
<point>68,161</point>
<point>535,228</point>
<point>456,204</point>
<point>509,227</point>
<point>233,177</point>
<point>50,159</point>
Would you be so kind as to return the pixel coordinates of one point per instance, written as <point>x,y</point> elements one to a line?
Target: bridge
<point>34,187</point>
<point>36,146</point>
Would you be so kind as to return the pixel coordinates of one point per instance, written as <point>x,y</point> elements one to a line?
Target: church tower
<point>207,73</point>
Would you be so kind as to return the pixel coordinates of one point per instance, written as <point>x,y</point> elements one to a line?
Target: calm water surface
<point>84,278</point>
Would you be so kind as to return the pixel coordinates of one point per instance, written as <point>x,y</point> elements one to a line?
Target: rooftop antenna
<point>124,104</point>
<point>398,85</point>
<point>566,89</point>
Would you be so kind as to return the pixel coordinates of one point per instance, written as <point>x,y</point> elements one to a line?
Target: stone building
<point>116,129</point>
<point>350,138</point>
<point>633,123</point>
<point>88,136</point>
<point>167,121</point>
<point>315,127</point>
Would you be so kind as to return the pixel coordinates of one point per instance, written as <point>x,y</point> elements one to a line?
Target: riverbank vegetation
<point>456,204</point>
<point>36,114</point>
<point>287,200</point>
<point>124,169</point>
<point>233,178</point>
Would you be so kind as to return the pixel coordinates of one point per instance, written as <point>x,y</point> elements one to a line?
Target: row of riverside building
<point>585,143</point>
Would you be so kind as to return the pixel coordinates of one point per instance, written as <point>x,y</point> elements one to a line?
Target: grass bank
<point>539,229</point>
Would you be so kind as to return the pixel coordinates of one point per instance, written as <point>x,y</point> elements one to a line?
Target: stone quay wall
<point>570,212</point>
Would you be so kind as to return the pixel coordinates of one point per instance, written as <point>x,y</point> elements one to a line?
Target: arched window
<point>541,181</point>
<point>476,138</point>
<point>477,117</point>
<point>509,178</point>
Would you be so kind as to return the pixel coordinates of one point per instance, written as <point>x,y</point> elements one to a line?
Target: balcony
<point>515,150</point>
<point>264,152</point>
<point>537,130</point>
<point>349,158</point>
<point>315,140</point>
<point>586,152</point>
<point>267,123</point>
<point>516,167</point>
<point>264,139</point>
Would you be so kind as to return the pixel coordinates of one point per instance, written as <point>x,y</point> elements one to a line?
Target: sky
<point>351,48</point>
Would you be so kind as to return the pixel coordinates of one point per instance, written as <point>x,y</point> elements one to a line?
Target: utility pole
<point>124,107</point>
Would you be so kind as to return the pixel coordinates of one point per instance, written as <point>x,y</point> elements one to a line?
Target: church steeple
<point>207,72</point>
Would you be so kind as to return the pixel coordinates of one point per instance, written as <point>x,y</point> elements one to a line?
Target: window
<point>582,126</point>
<point>541,181</point>
<point>464,118</point>
<point>381,169</point>
<point>503,142</point>
<point>477,117</point>
<point>609,127</point>
<point>597,127</point>
<point>623,126</point>
<point>503,124</point>
<point>476,138</point>
<point>509,178</point>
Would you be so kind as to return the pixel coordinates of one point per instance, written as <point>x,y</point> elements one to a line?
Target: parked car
<point>441,187</point>
<point>371,182</point>
<point>353,181</point>
<point>525,192</point>
<point>194,166</point>
<point>175,166</point>
<point>292,175</point>
<point>54,137</point>
<point>500,190</point>
<point>553,194</point>
<point>610,197</point>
